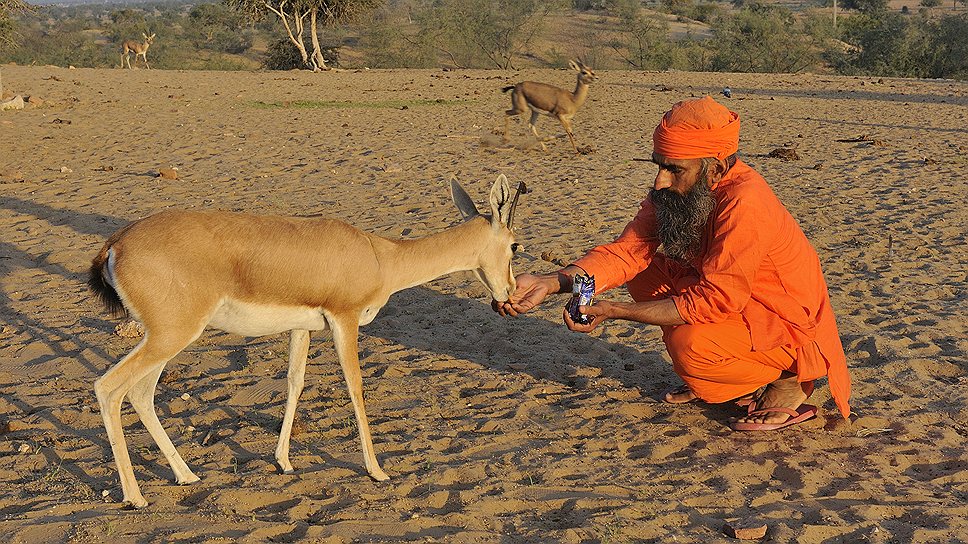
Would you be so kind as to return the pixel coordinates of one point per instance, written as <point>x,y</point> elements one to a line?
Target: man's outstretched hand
<point>531,291</point>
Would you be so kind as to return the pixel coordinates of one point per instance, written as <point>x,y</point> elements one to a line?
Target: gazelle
<point>179,272</point>
<point>139,49</point>
<point>550,100</point>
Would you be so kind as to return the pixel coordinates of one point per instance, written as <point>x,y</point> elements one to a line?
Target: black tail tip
<point>506,89</point>
<point>103,291</point>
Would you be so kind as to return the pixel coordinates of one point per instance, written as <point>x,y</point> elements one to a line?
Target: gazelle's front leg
<point>345,334</point>
<point>566,124</point>
<point>298,351</point>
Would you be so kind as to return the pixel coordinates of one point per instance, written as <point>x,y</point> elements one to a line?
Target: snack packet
<point>583,289</point>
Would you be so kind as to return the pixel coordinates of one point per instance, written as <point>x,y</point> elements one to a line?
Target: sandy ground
<point>492,429</point>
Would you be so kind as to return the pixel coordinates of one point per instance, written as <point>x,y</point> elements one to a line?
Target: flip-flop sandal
<point>801,414</point>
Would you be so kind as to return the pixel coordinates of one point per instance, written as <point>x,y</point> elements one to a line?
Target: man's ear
<point>717,170</point>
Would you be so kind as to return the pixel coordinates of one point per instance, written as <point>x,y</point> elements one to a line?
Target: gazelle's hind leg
<point>518,106</point>
<point>535,114</point>
<point>345,334</point>
<point>135,372</point>
<point>142,397</point>
<point>298,351</point>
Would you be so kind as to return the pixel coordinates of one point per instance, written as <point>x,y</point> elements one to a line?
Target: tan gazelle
<point>550,100</point>
<point>140,49</point>
<point>178,272</point>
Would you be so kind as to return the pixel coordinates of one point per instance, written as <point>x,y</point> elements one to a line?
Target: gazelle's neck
<point>421,260</point>
<point>580,94</point>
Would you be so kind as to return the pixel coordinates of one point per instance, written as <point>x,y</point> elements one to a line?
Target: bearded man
<point>715,259</point>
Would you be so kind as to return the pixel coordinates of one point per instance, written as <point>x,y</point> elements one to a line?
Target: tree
<point>296,15</point>
<point>391,39</point>
<point>217,28</point>
<point>948,52</point>
<point>865,6</point>
<point>8,7</point>
<point>919,46</point>
<point>885,44</point>
<point>496,30</point>
<point>763,38</point>
<point>645,45</point>
<point>7,35</point>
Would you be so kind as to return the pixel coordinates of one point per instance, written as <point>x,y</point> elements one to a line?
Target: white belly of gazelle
<point>251,319</point>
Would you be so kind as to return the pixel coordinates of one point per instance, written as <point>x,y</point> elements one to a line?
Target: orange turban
<point>695,129</point>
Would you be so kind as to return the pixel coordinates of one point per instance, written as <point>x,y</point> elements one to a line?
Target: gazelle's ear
<point>503,202</point>
<point>462,200</point>
<point>574,66</point>
<point>152,36</point>
<point>145,36</point>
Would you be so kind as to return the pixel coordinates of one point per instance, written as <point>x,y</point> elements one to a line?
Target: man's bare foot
<point>680,395</point>
<point>785,392</point>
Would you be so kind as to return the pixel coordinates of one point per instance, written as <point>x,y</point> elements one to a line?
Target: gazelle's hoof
<point>379,475</point>
<point>190,479</point>
<point>135,503</point>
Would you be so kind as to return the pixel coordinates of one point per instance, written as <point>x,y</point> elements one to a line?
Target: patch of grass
<point>346,104</point>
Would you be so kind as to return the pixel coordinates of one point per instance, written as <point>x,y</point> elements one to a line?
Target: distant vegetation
<point>925,40</point>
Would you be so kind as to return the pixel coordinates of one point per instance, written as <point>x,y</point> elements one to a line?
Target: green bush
<point>891,44</point>
<point>282,55</point>
<point>763,39</point>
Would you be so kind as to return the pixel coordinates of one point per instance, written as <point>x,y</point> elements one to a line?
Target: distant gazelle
<point>179,272</point>
<point>140,49</point>
<point>550,100</point>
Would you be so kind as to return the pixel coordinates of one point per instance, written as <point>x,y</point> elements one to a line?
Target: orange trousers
<point>716,360</point>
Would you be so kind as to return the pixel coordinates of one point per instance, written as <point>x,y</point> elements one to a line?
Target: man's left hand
<point>596,312</point>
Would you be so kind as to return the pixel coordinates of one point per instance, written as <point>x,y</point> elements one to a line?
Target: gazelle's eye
<point>514,247</point>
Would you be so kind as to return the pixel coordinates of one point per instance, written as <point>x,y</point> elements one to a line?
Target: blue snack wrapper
<point>582,290</point>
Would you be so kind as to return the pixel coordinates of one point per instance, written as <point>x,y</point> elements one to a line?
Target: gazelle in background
<point>139,49</point>
<point>550,100</point>
<point>179,272</point>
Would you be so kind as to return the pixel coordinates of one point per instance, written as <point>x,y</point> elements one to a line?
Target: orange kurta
<point>755,262</point>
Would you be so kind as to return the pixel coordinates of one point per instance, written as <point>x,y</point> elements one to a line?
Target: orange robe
<point>755,267</point>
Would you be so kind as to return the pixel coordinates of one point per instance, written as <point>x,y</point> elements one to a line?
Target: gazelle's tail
<point>98,283</point>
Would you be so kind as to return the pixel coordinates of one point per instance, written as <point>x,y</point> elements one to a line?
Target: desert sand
<point>492,429</point>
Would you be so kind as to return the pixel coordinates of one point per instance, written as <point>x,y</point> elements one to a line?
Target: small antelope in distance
<point>179,272</point>
<point>139,49</point>
<point>550,100</point>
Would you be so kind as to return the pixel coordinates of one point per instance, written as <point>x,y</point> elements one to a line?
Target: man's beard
<point>682,218</point>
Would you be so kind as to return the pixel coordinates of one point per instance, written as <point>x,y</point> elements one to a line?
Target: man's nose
<point>663,180</point>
